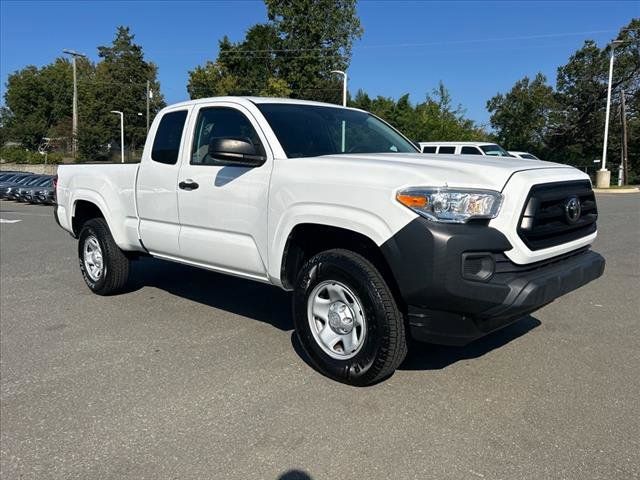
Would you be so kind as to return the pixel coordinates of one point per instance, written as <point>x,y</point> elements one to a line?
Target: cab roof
<point>255,100</point>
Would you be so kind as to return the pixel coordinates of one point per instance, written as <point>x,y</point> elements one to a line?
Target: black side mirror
<point>235,151</point>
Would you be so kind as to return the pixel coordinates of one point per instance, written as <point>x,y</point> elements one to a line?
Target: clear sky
<point>476,48</point>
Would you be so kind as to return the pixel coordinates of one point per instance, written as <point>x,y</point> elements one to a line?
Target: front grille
<point>545,221</point>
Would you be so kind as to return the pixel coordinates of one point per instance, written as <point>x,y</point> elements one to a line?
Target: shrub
<point>21,155</point>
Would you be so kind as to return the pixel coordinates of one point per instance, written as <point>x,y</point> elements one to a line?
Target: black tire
<point>115,263</point>
<point>385,343</point>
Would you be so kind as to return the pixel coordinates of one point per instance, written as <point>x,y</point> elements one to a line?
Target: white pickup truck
<point>378,242</point>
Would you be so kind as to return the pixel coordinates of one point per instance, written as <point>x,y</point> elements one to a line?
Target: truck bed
<point>111,187</point>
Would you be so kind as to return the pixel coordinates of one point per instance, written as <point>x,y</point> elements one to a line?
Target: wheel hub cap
<point>340,318</point>
<point>336,319</point>
<point>93,262</point>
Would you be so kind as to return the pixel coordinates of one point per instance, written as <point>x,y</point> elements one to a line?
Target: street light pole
<point>149,94</point>
<point>344,85</point>
<point>74,127</point>
<point>344,102</point>
<point>121,132</point>
<point>603,176</point>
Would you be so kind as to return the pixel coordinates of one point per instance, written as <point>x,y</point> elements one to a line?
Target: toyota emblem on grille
<point>572,209</point>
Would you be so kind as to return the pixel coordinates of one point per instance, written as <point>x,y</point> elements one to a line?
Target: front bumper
<point>444,307</point>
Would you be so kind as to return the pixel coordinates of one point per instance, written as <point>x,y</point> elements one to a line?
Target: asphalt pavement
<point>196,375</point>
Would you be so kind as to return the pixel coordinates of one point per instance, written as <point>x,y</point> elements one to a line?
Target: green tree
<point>118,83</point>
<point>212,80</point>
<point>577,125</point>
<point>316,37</point>
<point>292,54</point>
<point>432,120</point>
<point>566,124</point>
<point>37,100</point>
<point>520,117</point>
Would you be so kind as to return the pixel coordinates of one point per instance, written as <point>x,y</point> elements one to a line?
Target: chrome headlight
<point>451,205</point>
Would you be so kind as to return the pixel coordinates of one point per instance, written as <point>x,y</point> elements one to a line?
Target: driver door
<point>222,208</point>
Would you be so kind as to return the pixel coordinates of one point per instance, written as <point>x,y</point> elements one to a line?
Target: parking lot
<point>191,374</point>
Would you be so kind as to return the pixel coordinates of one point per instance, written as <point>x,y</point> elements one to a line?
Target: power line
<point>427,44</point>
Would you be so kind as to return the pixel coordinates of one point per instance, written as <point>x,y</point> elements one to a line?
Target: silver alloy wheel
<point>336,319</point>
<point>93,262</point>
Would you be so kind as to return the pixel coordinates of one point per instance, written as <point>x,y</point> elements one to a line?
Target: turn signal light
<point>412,201</point>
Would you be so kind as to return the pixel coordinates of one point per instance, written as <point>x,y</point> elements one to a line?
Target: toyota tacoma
<point>378,242</point>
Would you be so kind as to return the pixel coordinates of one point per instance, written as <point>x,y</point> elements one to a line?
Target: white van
<point>464,148</point>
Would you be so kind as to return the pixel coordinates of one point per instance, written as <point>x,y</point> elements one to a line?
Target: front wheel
<point>347,319</point>
<point>104,267</point>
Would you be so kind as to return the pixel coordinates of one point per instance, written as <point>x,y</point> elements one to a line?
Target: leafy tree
<point>432,120</point>
<point>566,124</point>
<point>292,54</point>
<point>118,83</point>
<point>316,37</point>
<point>37,100</point>
<point>520,117</point>
<point>212,80</point>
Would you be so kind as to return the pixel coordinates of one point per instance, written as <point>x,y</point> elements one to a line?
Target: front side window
<point>470,151</point>
<point>220,122</point>
<point>312,130</point>
<point>166,145</point>
<point>429,149</point>
<point>447,150</point>
<point>528,156</point>
<point>495,150</point>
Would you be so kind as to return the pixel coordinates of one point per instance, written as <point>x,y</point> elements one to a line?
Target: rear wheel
<point>104,267</point>
<point>347,319</point>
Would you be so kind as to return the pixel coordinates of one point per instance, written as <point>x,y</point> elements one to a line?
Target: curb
<point>617,190</point>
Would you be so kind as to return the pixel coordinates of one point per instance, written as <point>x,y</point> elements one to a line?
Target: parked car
<point>377,241</point>
<point>45,195</point>
<point>7,189</point>
<point>18,192</point>
<point>42,193</point>
<point>27,193</point>
<point>524,155</point>
<point>464,148</point>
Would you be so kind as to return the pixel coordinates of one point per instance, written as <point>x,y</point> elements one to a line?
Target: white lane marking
<point>4,220</point>
<point>27,214</point>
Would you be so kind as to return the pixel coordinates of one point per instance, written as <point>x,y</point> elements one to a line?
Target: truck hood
<point>470,171</point>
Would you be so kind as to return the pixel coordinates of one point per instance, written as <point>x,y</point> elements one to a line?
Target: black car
<point>12,183</point>
<point>45,195</point>
<point>25,194</point>
<point>15,193</point>
<point>31,194</point>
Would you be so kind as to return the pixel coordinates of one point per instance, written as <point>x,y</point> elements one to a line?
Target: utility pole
<point>148,98</point>
<point>625,152</point>
<point>74,127</point>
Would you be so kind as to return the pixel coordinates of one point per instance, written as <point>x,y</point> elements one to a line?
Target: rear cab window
<point>166,144</point>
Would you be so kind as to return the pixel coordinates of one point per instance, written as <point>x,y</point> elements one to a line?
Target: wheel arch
<point>83,211</point>
<point>308,239</point>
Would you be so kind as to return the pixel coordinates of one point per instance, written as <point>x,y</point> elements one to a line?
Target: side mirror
<point>235,151</point>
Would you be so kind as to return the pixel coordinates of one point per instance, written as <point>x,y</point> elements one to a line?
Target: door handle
<point>188,185</point>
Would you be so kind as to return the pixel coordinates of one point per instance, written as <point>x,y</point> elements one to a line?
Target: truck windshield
<point>311,131</point>
<point>495,150</point>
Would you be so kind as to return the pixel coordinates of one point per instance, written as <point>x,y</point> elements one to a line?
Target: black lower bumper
<point>445,307</point>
